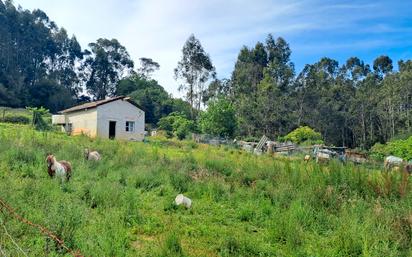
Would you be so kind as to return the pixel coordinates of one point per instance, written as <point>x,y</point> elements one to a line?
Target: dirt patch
<point>142,239</point>
<point>200,174</point>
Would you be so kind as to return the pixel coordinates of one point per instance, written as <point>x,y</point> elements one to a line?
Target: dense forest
<point>41,65</point>
<point>351,104</point>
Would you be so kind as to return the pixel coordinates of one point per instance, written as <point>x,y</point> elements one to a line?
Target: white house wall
<point>84,121</point>
<point>120,111</point>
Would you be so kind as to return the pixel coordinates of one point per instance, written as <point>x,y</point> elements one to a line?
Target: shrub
<point>166,124</point>
<point>219,119</point>
<point>176,124</point>
<point>37,120</point>
<point>400,148</point>
<point>304,134</point>
<point>183,127</point>
<point>18,119</point>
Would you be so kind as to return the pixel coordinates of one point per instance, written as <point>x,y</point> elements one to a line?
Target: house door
<point>112,129</point>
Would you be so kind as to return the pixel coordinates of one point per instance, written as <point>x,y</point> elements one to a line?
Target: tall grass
<point>243,205</point>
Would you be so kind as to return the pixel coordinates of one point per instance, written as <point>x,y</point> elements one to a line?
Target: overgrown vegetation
<point>401,148</point>
<point>304,135</point>
<point>352,103</point>
<point>37,120</point>
<point>243,205</point>
<point>176,124</point>
<point>219,119</point>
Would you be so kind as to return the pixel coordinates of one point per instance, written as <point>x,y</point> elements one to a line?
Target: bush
<point>166,124</point>
<point>18,119</point>
<point>219,119</point>
<point>38,120</point>
<point>183,127</point>
<point>400,148</point>
<point>176,124</point>
<point>304,134</point>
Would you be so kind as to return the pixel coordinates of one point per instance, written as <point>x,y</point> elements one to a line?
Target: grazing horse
<point>91,156</point>
<point>62,169</point>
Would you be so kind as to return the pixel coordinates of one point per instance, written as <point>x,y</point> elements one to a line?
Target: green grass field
<point>243,205</point>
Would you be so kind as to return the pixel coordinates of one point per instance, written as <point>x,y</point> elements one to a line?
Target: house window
<point>129,126</point>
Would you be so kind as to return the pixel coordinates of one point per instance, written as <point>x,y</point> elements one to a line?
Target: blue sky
<point>313,28</point>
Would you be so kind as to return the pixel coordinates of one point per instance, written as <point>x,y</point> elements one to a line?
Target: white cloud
<point>159,28</point>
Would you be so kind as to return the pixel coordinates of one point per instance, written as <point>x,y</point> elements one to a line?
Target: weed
<point>172,246</point>
<point>243,205</point>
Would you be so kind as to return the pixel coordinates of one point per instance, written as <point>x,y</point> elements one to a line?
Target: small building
<point>114,118</point>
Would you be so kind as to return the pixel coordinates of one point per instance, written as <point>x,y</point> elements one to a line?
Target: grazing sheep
<point>307,158</point>
<point>183,200</point>
<point>91,155</point>
<point>392,161</point>
<point>62,169</point>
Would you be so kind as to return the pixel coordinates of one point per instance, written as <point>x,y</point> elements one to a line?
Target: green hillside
<point>243,205</point>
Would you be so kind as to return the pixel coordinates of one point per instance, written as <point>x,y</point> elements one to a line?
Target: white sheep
<point>392,161</point>
<point>92,155</point>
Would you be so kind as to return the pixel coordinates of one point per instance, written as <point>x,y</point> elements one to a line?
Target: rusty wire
<point>13,241</point>
<point>43,230</point>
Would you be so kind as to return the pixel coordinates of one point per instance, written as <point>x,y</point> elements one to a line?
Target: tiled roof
<point>97,103</point>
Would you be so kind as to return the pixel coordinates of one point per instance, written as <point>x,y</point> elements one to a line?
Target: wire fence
<point>7,209</point>
<point>13,241</point>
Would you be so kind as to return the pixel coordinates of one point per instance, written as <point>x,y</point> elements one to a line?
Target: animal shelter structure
<point>115,118</point>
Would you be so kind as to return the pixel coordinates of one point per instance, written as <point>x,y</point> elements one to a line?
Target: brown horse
<point>62,169</point>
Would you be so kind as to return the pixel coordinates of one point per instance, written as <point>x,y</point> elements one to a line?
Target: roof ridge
<point>93,104</point>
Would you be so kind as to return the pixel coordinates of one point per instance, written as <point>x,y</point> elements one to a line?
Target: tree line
<point>352,104</point>
<point>41,65</point>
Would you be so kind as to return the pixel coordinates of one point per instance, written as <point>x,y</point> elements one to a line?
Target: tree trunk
<point>363,125</point>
